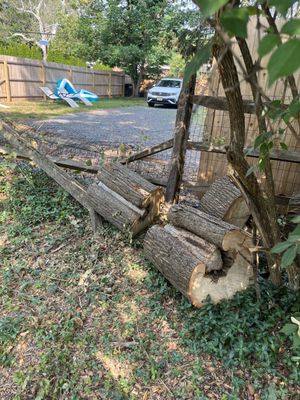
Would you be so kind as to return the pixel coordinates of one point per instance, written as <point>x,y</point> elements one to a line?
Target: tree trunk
<point>225,201</point>
<point>184,263</point>
<point>261,204</point>
<point>130,185</point>
<point>227,237</point>
<point>199,247</point>
<point>173,257</point>
<point>118,211</point>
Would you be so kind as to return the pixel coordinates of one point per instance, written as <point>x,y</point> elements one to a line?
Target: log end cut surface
<point>238,277</point>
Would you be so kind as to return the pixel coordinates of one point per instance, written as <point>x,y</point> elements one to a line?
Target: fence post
<point>71,75</point>
<point>94,87</point>
<point>7,82</point>
<point>109,85</point>
<point>43,77</point>
<point>123,86</point>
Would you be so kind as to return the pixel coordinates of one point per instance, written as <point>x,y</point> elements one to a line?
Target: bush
<point>21,50</point>
<point>60,58</point>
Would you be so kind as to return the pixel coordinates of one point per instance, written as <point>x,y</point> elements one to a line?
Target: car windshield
<point>169,83</point>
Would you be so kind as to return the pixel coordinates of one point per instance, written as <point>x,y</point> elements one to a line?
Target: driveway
<point>135,126</point>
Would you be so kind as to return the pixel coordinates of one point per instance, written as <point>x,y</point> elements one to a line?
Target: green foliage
<point>291,27</point>
<point>101,67</point>
<point>291,247</point>
<point>209,7</point>
<point>267,44</point>
<point>61,58</point>
<point>281,6</point>
<point>235,22</point>
<point>21,50</point>
<point>202,55</point>
<point>292,331</point>
<point>283,61</point>
<point>177,65</point>
<point>34,198</point>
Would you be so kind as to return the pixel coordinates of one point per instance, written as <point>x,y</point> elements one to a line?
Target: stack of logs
<point>199,253</point>
<point>124,198</point>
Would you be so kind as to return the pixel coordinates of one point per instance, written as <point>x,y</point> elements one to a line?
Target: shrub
<point>21,50</point>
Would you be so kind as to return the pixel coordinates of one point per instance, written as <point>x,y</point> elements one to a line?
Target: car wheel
<point>150,105</point>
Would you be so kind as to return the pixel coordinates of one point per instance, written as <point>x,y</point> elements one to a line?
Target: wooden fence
<point>21,78</point>
<point>217,128</point>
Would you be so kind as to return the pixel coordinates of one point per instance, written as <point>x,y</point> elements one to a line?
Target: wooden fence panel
<point>21,78</point>
<point>217,130</point>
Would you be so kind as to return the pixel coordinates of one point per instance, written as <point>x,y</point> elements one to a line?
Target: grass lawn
<point>84,317</point>
<point>46,109</point>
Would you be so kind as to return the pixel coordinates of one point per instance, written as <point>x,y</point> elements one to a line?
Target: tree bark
<point>259,203</point>
<point>183,119</point>
<point>118,211</point>
<point>226,236</point>
<point>201,248</point>
<point>173,257</point>
<point>129,185</point>
<point>224,200</point>
<point>184,264</point>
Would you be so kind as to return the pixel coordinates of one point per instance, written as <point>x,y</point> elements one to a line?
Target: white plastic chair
<point>53,96</point>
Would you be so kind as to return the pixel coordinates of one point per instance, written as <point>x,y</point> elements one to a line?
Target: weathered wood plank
<point>183,119</point>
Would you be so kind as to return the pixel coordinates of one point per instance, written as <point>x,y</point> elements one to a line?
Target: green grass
<point>86,317</point>
<point>21,110</point>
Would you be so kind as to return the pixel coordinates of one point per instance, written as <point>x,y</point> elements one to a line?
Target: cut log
<point>130,185</point>
<point>118,211</point>
<point>173,257</point>
<point>222,234</point>
<point>199,247</point>
<point>238,277</point>
<point>224,200</point>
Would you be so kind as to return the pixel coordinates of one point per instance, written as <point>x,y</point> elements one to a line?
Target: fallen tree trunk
<point>224,200</point>
<point>184,263</point>
<point>222,234</point>
<point>74,188</point>
<point>130,185</point>
<point>202,249</point>
<point>118,211</point>
<point>174,259</point>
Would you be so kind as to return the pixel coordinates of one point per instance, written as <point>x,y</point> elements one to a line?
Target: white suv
<point>166,91</point>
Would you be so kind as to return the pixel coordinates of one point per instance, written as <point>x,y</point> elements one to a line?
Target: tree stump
<point>224,200</point>
<point>180,258</point>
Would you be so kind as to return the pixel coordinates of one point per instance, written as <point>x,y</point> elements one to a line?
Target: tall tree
<point>41,18</point>
<point>230,19</point>
<point>129,35</point>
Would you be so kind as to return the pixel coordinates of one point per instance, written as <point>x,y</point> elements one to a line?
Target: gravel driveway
<point>135,126</point>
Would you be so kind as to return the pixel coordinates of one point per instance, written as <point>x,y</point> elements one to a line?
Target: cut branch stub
<point>222,234</point>
<point>224,200</point>
<point>183,262</point>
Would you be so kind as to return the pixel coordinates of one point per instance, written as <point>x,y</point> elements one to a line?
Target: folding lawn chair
<point>53,96</point>
<point>76,95</point>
